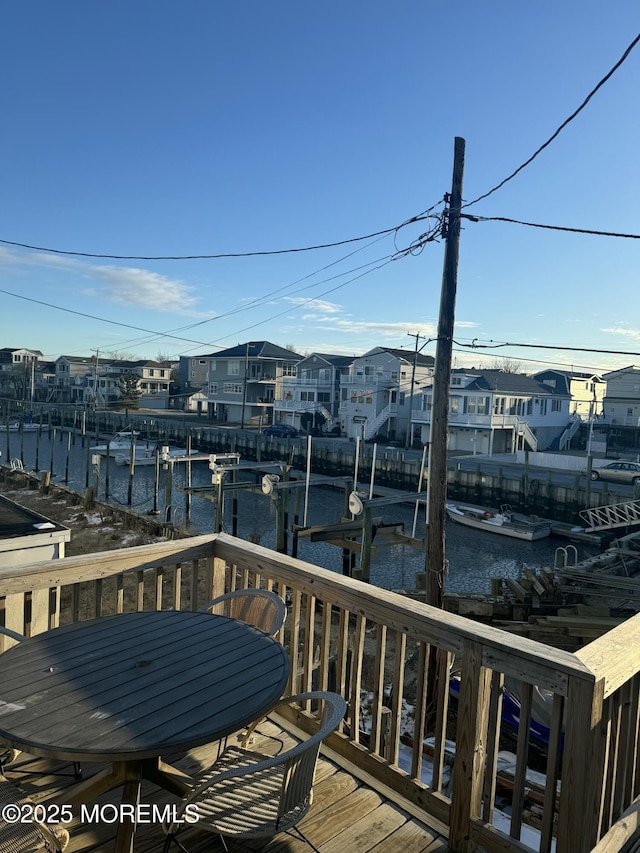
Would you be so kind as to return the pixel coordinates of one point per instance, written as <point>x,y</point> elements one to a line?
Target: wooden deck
<point>347,815</point>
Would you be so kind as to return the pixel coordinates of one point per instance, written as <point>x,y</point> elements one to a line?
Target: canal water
<point>474,557</point>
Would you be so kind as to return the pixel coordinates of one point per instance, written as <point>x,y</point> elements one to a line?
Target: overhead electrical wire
<point>561,127</point>
<point>594,232</point>
<point>418,218</point>
<point>494,345</point>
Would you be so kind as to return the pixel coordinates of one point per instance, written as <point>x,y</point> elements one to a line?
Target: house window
<point>324,397</point>
<point>233,368</point>
<point>556,405</point>
<point>543,407</point>
<point>213,387</point>
<point>629,412</point>
<point>288,395</point>
<point>204,361</point>
<point>401,399</point>
<point>289,369</point>
<point>529,406</point>
<point>498,406</point>
<point>456,380</point>
<point>307,396</point>
<point>454,405</point>
<point>232,388</point>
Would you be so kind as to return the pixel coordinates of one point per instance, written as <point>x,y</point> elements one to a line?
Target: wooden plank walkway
<point>346,815</point>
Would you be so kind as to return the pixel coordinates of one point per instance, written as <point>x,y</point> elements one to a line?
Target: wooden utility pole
<point>437,482</point>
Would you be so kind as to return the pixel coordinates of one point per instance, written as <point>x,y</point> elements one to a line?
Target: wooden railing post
<point>471,747</point>
<point>582,766</point>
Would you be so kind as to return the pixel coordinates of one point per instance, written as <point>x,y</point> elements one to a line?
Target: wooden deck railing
<point>396,661</point>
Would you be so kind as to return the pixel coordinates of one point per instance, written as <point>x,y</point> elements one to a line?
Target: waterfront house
<point>492,411</point>
<point>17,369</point>
<point>376,393</point>
<point>244,381</point>
<point>621,404</point>
<point>74,379</point>
<point>310,399</point>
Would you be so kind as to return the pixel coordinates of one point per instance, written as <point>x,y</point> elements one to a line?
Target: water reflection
<point>474,557</point>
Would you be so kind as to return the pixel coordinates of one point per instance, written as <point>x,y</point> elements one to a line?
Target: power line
<point>562,126</point>
<point>493,345</point>
<point>550,227</point>
<point>418,218</point>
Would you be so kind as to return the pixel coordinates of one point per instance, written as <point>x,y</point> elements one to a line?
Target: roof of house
<point>334,360</point>
<point>509,383</point>
<point>258,349</point>
<point>16,520</point>
<point>407,355</point>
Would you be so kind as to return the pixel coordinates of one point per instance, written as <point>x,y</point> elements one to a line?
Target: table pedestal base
<point>129,774</point>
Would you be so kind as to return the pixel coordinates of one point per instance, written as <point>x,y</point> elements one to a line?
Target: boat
<point>24,426</point>
<point>121,442</point>
<point>147,455</point>
<point>503,521</point>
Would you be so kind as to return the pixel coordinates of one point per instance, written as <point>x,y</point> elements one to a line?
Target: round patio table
<point>128,688</point>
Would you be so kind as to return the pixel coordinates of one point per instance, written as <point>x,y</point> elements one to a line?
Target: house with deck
<point>244,381</point>
<point>377,390</point>
<point>492,411</point>
<point>310,399</point>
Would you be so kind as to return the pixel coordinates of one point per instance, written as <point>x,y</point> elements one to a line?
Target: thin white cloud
<point>125,285</point>
<point>315,306</point>
<point>634,334</point>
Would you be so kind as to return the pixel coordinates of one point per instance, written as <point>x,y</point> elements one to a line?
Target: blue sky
<point>162,128</point>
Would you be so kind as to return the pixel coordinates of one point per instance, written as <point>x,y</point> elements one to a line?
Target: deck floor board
<point>346,814</point>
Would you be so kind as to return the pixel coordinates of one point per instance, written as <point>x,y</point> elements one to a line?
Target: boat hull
<point>499,523</point>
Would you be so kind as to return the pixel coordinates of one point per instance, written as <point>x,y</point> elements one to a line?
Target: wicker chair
<point>18,837</point>
<point>249,795</point>
<point>258,607</point>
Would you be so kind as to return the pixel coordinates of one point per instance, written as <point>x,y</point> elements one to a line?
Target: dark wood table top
<point>136,685</point>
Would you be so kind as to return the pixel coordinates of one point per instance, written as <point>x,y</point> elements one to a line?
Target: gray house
<point>244,381</point>
<point>310,399</point>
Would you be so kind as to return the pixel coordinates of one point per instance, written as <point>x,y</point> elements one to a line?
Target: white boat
<point>121,443</point>
<point>503,521</point>
<point>23,426</point>
<point>147,455</point>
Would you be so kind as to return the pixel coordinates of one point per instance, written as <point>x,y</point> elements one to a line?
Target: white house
<point>376,393</point>
<point>491,411</point>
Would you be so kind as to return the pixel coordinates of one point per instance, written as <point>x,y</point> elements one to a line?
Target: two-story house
<point>621,405</point>
<point>310,399</point>
<point>492,411</point>
<point>376,393</point>
<point>586,389</point>
<point>17,372</point>
<point>154,380</point>
<point>74,378</point>
<point>244,381</point>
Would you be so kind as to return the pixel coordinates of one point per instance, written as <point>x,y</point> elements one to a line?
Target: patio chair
<point>18,837</point>
<point>249,795</point>
<point>9,755</point>
<point>258,607</point>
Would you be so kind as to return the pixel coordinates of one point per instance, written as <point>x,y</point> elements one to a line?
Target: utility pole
<point>436,513</point>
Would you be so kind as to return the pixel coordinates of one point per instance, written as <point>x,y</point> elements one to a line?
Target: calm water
<point>474,557</point>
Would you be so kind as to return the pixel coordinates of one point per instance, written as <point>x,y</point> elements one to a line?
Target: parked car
<point>618,472</point>
<point>281,430</point>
